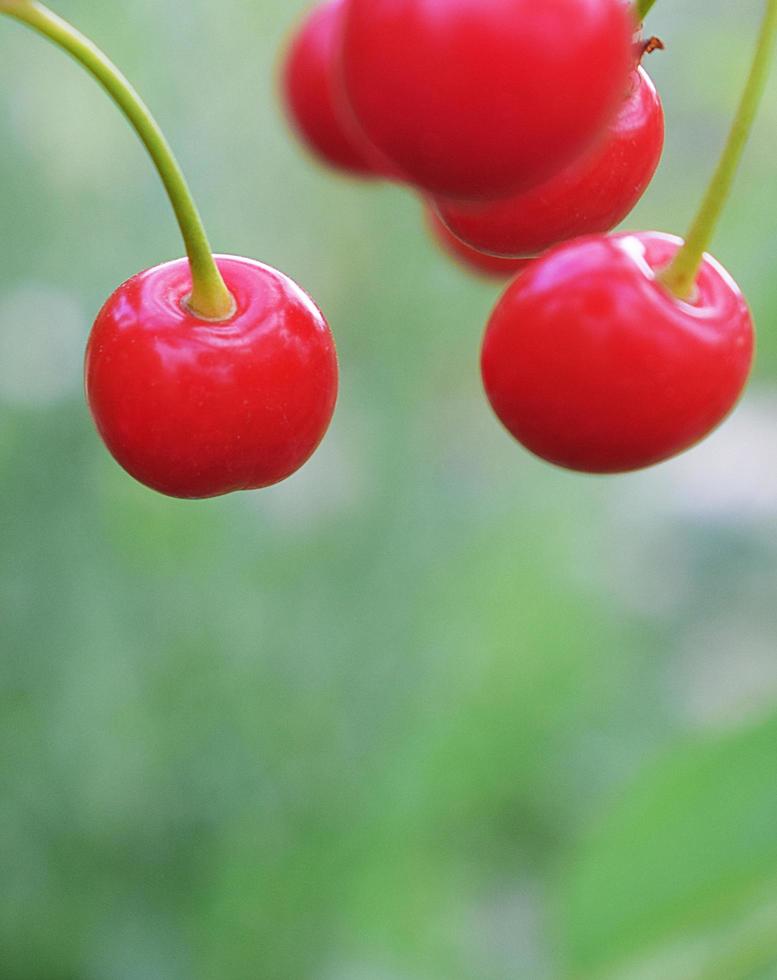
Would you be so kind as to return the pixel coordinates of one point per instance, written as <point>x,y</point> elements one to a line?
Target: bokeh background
<point>431,710</point>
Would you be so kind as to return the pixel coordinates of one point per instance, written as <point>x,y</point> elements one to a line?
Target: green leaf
<point>680,876</point>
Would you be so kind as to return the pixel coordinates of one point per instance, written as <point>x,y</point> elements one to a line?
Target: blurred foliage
<point>430,710</point>
<point>691,847</point>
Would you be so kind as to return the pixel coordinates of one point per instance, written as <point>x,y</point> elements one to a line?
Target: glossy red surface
<point>592,364</point>
<point>197,409</point>
<point>480,98</point>
<point>591,195</point>
<point>313,93</point>
<point>489,266</point>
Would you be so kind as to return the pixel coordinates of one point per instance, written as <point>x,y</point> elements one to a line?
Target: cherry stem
<point>210,298</point>
<point>643,9</point>
<point>680,276</point>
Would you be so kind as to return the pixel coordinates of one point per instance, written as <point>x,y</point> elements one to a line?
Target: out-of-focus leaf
<point>681,875</point>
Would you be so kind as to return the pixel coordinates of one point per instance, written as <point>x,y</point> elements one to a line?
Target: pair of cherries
<point>532,130</point>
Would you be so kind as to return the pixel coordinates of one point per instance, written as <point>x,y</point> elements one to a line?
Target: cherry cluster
<point>531,130</point>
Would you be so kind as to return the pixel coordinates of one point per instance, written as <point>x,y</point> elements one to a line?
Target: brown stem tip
<point>652,44</point>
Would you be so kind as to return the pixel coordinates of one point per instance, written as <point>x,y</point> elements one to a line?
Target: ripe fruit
<point>592,194</point>
<point>491,266</point>
<point>592,363</point>
<point>209,374</point>
<point>314,96</point>
<point>481,98</point>
<point>194,408</point>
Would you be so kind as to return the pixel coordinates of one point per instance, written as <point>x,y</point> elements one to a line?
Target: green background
<point>430,710</point>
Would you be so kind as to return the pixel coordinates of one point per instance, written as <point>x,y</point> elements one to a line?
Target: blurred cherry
<point>314,97</point>
<point>593,194</point>
<point>482,98</point>
<point>482,264</point>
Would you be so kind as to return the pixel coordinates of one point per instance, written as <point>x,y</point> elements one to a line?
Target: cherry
<point>490,266</point>
<point>592,363</point>
<point>592,194</point>
<point>314,96</point>
<point>211,373</point>
<point>481,98</point>
<point>194,408</point>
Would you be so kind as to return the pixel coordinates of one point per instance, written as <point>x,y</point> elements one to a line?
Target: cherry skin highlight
<point>480,263</point>
<point>194,408</point>
<point>591,195</point>
<point>592,364</point>
<point>482,98</point>
<point>314,97</point>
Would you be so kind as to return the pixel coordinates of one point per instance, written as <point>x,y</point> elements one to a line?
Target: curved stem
<point>643,9</point>
<point>210,297</point>
<point>680,276</point>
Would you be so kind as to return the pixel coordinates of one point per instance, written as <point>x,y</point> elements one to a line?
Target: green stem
<point>681,274</point>
<point>643,9</point>
<point>210,298</point>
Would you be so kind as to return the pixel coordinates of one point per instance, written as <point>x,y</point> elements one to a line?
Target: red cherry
<point>313,92</point>
<point>492,266</point>
<point>591,195</point>
<point>195,408</point>
<point>481,98</point>
<point>592,364</point>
